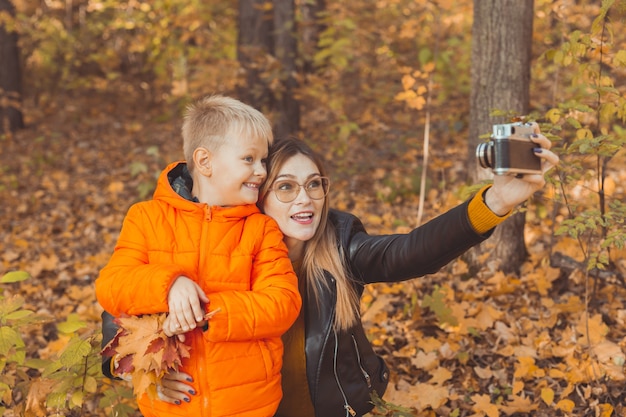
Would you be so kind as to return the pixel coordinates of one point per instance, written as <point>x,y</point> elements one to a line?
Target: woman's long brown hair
<point>321,252</point>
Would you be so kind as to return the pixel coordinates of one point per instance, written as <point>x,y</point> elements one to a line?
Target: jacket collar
<point>174,188</point>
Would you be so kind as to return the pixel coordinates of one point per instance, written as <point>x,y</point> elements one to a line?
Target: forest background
<point>103,87</point>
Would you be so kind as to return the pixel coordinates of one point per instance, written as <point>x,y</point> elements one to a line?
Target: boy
<point>202,244</point>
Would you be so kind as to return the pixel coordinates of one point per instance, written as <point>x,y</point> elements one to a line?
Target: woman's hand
<point>508,191</point>
<point>175,387</point>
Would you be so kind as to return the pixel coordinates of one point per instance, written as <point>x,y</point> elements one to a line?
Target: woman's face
<point>300,218</point>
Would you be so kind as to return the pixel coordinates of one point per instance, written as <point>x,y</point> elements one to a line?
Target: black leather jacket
<point>342,368</point>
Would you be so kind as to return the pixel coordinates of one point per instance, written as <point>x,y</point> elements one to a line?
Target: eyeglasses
<point>288,190</point>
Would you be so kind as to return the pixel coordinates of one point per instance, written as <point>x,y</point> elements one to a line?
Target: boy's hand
<point>185,300</point>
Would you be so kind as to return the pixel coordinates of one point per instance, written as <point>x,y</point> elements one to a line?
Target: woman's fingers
<point>172,396</point>
<point>175,388</point>
<point>548,160</point>
<point>542,141</point>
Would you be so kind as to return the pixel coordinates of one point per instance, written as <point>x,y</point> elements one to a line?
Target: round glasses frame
<point>316,188</point>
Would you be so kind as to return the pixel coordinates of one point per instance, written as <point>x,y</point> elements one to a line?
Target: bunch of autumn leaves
<point>142,351</point>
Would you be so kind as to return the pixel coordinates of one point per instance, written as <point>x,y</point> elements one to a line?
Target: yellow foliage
<point>37,393</point>
<point>426,361</point>
<point>554,115</point>
<point>592,329</point>
<point>115,187</point>
<point>584,133</point>
<point>432,396</point>
<point>565,405</point>
<point>429,344</point>
<point>606,410</point>
<point>547,395</point>
<point>440,375</point>
<point>483,373</point>
<point>483,405</point>
<point>519,404</point>
<point>526,368</point>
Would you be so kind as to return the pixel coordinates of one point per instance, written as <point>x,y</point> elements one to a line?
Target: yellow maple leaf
<point>547,395</point>
<point>593,328</point>
<point>565,405</point>
<point>520,405</point>
<point>426,361</point>
<point>428,344</point>
<point>139,333</point>
<point>483,405</point>
<point>487,317</point>
<point>144,383</point>
<point>142,350</point>
<point>606,410</point>
<point>115,187</point>
<point>483,373</point>
<point>440,375</point>
<point>432,396</point>
<point>526,368</point>
<point>37,394</point>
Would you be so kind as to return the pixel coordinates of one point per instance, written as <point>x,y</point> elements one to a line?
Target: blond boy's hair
<point>211,120</point>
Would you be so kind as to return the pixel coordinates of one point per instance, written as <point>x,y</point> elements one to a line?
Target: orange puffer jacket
<point>238,257</point>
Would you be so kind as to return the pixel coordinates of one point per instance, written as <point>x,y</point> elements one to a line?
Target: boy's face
<point>238,170</point>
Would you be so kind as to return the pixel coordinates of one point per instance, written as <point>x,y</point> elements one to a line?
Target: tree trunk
<point>10,75</point>
<point>286,106</point>
<point>254,45</point>
<point>501,55</point>
<point>311,26</point>
<point>267,37</point>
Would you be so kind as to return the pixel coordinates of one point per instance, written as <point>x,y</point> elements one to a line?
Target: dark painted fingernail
<point>534,135</point>
<point>537,150</point>
<point>177,402</point>
<point>190,379</point>
<point>186,399</point>
<point>192,392</point>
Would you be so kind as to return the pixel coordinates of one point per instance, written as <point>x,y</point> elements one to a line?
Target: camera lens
<point>484,154</point>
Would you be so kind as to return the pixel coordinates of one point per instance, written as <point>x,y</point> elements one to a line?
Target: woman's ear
<point>202,161</point>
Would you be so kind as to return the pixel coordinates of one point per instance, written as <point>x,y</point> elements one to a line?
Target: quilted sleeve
<point>128,284</point>
<point>273,302</point>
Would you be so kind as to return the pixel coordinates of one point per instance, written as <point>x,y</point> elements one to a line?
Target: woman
<point>329,368</point>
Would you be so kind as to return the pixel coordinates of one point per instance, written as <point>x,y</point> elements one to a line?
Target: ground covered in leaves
<point>550,342</point>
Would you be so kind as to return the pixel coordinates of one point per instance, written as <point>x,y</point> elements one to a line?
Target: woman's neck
<point>295,248</point>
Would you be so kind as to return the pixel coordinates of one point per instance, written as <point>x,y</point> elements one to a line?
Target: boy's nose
<point>260,170</point>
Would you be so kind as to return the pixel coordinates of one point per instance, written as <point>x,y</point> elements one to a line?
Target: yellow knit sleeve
<point>480,216</point>
<point>113,367</point>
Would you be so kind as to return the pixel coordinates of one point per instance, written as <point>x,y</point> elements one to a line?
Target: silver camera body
<point>510,150</point>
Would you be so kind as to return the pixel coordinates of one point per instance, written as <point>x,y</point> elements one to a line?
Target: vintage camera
<point>510,150</point>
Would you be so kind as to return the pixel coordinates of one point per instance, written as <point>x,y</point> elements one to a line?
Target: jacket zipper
<point>201,370</point>
<point>367,377</point>
<point>349,410</point>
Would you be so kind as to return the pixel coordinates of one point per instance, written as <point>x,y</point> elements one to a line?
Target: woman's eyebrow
<point>291,176</point>
<point>285,176</point>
